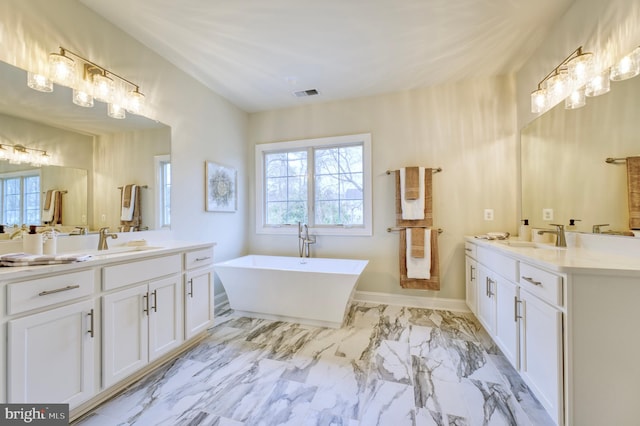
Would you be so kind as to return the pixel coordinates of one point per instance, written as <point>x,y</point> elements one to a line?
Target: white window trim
<point>364,138</point>
<point>157,161</point>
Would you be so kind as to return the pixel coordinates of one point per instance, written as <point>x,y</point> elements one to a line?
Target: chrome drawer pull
<point>200,259</point>
<point>58,290</point>
<point>91,331</point>
<point>531,280</point>
<point>472,278</point>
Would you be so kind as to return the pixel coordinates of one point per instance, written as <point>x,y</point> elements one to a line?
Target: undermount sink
<point>118,250</point>
<point>529,244</point>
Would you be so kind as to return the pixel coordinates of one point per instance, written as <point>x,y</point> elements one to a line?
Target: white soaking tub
<point>314,291</point>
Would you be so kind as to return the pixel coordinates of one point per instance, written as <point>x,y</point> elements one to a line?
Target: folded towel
<point>128,194</point>
<point>417,243</point>
<point>419,268</point>
<point>633,188</point>
<point>24,259</point>
<point>49,206</point>
<point>412,183</point>
<point>412,209</point>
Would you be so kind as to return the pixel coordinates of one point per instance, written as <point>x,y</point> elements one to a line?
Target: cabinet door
<point>541,352</point>
<point>471,280</point>
<point>506,332</point>
<point>486,299</point>
<point>198,301</point>
<point>125,328</point>
<point>165,316</point>
<point>51,356</point>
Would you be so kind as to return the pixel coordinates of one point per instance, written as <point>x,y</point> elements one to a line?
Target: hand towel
<point>412,183</point>
<point>128,194</point>
<point>412,209</point>
<point>417,243</point>
<point>49,206</point>
<point>419,268</point>
<point>633,188</point>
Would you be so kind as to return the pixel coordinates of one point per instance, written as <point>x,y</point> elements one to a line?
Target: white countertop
<point>114,255</point>
<point>586,254</point>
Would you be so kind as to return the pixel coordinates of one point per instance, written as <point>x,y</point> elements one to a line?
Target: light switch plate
<point>488,214</point>
<point>547,214</point>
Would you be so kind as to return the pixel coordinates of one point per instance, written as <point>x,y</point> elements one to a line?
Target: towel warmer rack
<point>615,160</point>
<point>400,228</point>
<point>139,186</point>
<point>438,170</point>
<point>60,191</point>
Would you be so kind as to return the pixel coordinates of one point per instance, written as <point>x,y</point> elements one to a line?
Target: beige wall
<point>468,129</point>
<point>204,126</point>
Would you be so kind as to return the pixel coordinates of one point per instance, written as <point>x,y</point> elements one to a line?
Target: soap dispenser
<point>32,242</point>
<point>572,224</point>
<point>525,231</point>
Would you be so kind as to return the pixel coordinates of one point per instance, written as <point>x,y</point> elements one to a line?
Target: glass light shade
<point>580,69</point>
<point>135,101</point>
<point>82,98</point>
<point>62,69</point>
<point>556,86</point>
<point>598,85</point>
<point>538,100</point>
<point>576,99</point>
<point>627,67</point>
<point>102,87</point>
<point>39,82</point>
<point>116,111</point>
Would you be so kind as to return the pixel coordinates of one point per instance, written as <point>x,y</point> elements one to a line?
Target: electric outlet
<point>103,218</point>
<point>84,219</point>
<point>547,214</point>
<point>488,214</point>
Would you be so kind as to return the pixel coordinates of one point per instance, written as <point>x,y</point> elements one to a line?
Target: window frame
<point>22,175</point>
<point>310,144</point>
<point>159,162</point>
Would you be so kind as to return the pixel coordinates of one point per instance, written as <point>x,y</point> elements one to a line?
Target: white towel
<point>419,268</point>
<point>412,209</point>
<point>126,213</point>
<point>47,214</point>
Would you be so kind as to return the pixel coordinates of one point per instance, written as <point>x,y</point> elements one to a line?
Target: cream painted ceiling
<point>256,53</point>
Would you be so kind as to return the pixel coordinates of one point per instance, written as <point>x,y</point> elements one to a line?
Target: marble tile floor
<point>387,365</point>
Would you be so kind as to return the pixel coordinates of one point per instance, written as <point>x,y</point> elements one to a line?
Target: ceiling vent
<point>304,93</point>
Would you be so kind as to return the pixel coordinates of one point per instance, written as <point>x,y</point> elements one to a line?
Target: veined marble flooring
<point>388,365</point>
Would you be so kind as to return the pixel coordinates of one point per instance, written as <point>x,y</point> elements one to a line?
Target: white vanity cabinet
<point>198,291</point>
<point>471,277</point>
<point>142,322</point>
<point>520,307</point>
<point>52,339</point>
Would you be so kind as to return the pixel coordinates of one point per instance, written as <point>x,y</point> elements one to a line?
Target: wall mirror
<point>563,155</point>
<point>93,155</point>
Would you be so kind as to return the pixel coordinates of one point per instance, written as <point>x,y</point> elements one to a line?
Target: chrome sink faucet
<point>104,234</point>
<point>304,240</point>
<point>561,240</point>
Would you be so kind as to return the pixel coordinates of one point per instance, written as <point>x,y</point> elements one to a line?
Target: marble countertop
<point>584,255</point>
<point>117,253</point>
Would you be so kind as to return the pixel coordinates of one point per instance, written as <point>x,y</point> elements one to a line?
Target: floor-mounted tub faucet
<point>304,240</point>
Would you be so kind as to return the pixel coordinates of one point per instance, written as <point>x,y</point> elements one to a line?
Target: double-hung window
<point>20,198</point>
<point>324,183</point>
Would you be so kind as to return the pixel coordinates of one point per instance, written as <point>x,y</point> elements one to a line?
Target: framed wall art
<point>222,188</point>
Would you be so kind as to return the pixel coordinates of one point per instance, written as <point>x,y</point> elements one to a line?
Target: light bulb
<point>39,82</point>
<point>62,69</point>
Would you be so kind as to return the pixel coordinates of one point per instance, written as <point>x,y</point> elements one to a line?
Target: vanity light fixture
<point>89,81</point>
<point>20,154</point>
<point>573,72</point>
<point>627,67</point>
<point>598,85</point>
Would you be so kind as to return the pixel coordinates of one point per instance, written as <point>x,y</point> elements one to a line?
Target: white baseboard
<point>219,299</point>
<point>411,301</point>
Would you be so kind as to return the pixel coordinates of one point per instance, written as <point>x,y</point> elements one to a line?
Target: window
<point>163,191</point>
<point>21,198</point>
<point>325,183</point>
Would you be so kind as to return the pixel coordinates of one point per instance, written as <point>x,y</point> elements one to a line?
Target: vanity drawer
<point>545,285</point>
<point>503,265</point>
<point>27,295</point>
<point>470,249</point>
<point>197,258</point>
<point>142,270</point>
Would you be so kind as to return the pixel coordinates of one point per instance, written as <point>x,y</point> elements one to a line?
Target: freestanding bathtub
<point>314,291</point>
